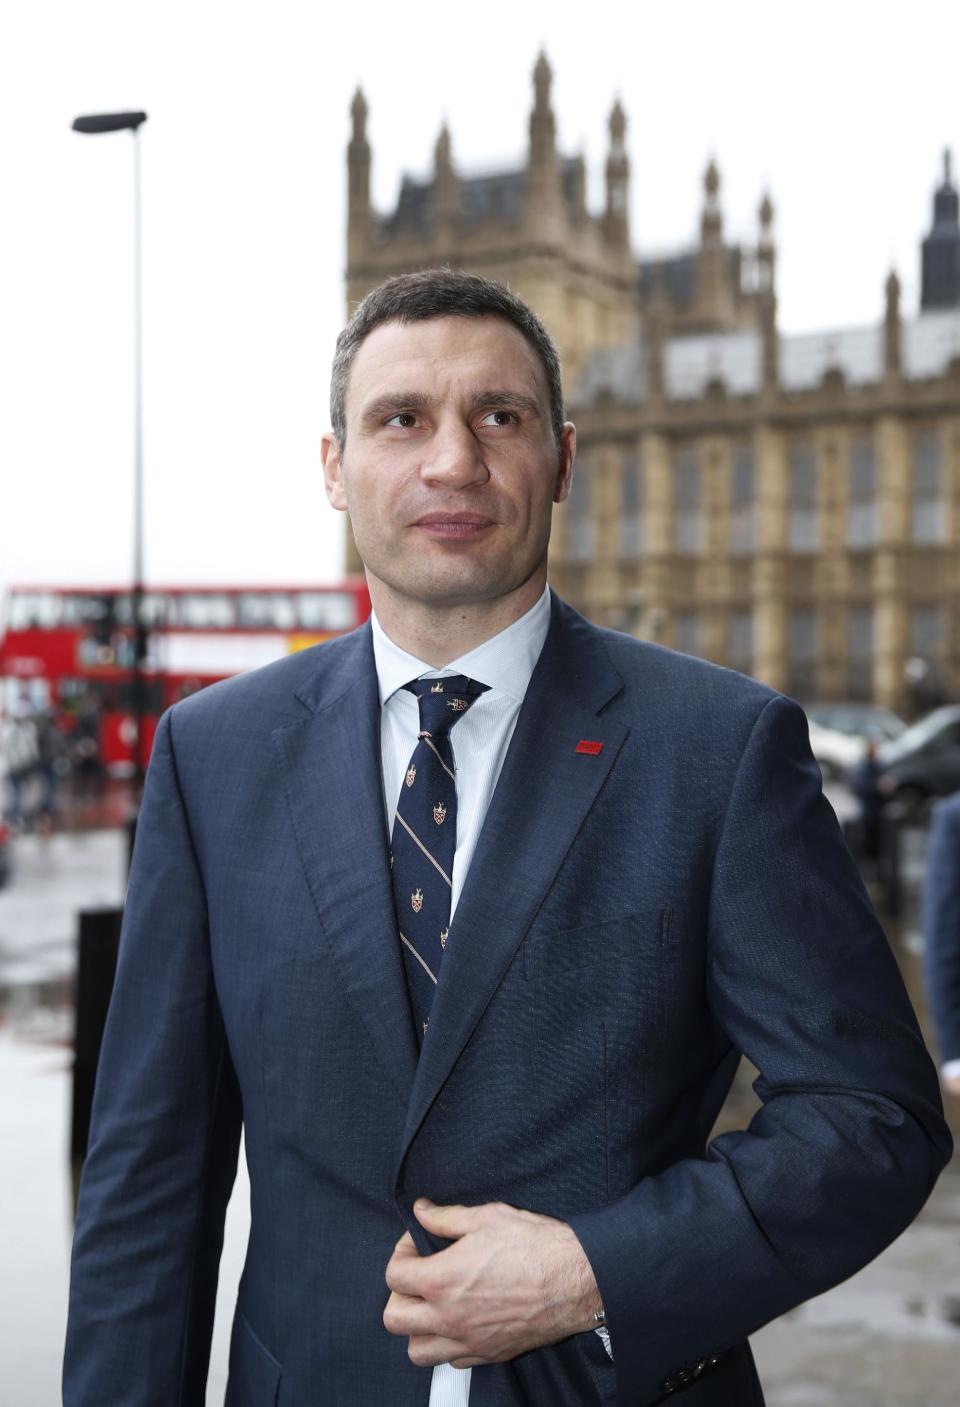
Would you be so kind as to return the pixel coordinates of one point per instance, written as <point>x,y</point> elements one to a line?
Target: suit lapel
<point>543,795</point>
<point>332,774</point>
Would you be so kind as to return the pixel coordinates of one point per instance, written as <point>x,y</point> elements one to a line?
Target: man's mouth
<point>454,525</point>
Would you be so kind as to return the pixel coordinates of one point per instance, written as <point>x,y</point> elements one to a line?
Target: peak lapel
<point>543,795</point>
<point>332,774</point>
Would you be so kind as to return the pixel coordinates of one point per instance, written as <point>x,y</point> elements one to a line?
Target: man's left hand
<point>511,1281</point>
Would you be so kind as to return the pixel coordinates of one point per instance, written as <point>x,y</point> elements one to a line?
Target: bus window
<point>203,610</point>
<point>35,610</point>
<point>79,695</point>
<point>265,610</point>
<point>24,695</point>
<point>326,610</point>
<point>122,608</point>
<point>154,609</point>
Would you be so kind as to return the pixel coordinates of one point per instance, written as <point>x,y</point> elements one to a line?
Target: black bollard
<point>99,940</point>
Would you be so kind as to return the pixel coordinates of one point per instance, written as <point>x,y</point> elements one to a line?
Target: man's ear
<point>568,450</point>
<point>332,461</point>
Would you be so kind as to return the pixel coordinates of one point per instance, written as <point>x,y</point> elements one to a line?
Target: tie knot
<point>443,701</point>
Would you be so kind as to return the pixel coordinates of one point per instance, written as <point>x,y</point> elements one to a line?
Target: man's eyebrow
<point>506,400</point>
<point>391,402</point>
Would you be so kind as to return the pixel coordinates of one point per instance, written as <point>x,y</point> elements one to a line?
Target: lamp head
<point>95,123</point>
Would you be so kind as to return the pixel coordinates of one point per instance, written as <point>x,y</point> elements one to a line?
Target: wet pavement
<point>888,1337</point>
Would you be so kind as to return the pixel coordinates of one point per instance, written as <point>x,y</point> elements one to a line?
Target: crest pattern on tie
<point>425,837</point>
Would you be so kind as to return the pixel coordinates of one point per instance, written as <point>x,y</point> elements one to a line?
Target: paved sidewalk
<point>888,1337</point>
<point>36,1225</point>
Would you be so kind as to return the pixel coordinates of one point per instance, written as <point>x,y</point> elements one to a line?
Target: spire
<point>711,223</point>
<point>446,193</point>
<point>543,171</point>
<point>770,341</point>
<point>617,125</point>
<point>891,326</point>
<point>718,287</point>
<point>945,200</point>
<point>358,112</point>
<point>940,256</point>
<point>358,174</point>
<point>543,132</point>
<point>766,291</point>
<point>616,222</point>
<point>766,248</point>
<point>542,79</point>
<point>658,311</point>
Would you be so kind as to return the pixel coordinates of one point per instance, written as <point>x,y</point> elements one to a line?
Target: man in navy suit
<point>477,1064</point>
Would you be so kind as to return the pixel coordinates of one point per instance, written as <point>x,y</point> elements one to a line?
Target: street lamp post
<point>96,124</point>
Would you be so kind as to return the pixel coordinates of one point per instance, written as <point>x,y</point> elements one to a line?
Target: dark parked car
<point>923,761</point>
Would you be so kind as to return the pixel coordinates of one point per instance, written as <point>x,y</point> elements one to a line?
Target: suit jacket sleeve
<point>850,1138</point>
<point>164,1137</point>
<point>941,928</point>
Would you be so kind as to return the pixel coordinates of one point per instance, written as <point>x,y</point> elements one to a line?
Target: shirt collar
<point>506,661</point>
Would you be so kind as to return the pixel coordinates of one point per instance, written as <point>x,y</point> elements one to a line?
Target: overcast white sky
<point>842,109</point>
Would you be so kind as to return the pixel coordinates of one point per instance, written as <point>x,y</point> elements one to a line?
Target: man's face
<point>451,467</point>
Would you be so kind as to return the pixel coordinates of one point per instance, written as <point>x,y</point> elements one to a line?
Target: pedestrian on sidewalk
<point>18,743</point>
<point>865,785</point>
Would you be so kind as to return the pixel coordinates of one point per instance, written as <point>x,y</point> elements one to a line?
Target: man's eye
<point>499,418</point>
<point>404,419</point>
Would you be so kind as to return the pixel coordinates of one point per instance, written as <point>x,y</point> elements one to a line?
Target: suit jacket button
<point>712,1362</point>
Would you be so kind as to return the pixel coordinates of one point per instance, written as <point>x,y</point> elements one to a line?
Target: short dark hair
<point>440,293</point>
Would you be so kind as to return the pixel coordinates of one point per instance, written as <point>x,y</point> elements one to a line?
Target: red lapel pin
<point>590,748</point>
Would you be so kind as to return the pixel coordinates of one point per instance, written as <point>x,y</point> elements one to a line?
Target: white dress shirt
<point>479,740</point>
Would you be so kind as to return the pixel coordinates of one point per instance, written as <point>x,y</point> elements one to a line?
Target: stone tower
<point>529,227</point>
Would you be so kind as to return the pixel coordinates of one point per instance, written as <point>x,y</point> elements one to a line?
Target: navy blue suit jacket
<point>941,927</point>
<point>633,920</point>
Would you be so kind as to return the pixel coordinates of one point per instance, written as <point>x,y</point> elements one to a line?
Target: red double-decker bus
<point>71,649</point>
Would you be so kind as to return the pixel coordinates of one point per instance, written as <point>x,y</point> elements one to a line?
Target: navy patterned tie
<point>425,837</point>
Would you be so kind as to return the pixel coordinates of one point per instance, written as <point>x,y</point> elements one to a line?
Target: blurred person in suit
<point>466,918</point>
<point>865,785</point>
<point>941,932</point>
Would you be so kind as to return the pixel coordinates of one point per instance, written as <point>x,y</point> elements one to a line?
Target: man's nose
<point>455,457</point>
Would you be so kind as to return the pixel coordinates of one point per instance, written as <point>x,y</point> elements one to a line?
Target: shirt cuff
<point>950,1069</point>
<point>605,1333</point>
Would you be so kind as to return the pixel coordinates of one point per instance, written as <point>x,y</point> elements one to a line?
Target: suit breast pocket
<point>595,998</point>
<point>616,965</point>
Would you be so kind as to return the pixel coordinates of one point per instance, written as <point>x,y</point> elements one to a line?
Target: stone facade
<point>787,506</point>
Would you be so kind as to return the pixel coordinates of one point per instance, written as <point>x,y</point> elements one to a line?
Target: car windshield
<point>922,731</point>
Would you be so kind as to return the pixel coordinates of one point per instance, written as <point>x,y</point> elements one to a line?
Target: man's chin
<point>452,584</point>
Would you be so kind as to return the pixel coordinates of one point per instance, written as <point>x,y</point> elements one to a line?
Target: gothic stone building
<point>785,505</point>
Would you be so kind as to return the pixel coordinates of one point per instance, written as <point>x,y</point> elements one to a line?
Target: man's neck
<point>439,634</point>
